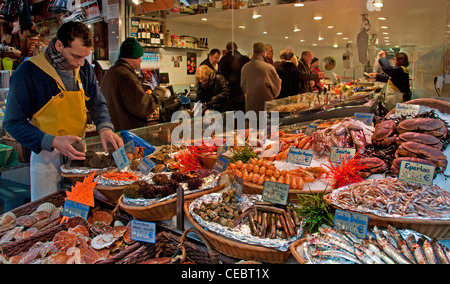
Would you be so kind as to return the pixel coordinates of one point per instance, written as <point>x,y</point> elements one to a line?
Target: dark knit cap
<point>131,48</point>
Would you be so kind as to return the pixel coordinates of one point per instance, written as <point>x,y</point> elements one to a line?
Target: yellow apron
<point>64,113</point>
<point>393,94</point>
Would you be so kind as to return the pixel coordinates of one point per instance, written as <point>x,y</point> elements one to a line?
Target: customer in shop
<point>46,107</point>
<point>128,102</point>
<point>230,66</point>
<point>397,78</point>
<point>213,59</point>
<point>269,53</point>
<point>212,89</point>
<point>315,69</point>
<point>259,80</point>
<point>307,78</point>
<point>288,72</point>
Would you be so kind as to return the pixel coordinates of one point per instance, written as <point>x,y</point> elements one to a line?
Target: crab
<point>396,163</point>
<point>417,150</point>
<point>385,133</point>
<point>422,138</point>
<point>432,126</point>
<point>374,166</point>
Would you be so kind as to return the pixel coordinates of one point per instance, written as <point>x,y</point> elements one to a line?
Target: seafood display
<point>247,219</point>
<point>257,171</point>
<point>391,197</point>
<point>286,141</point>
<point>163,186</point>
<point>82,241</point>
<point>383,246</point>
<point>13,228</point>
<point>94,161</point>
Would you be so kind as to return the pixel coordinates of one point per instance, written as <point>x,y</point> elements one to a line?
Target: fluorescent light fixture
<point>286,37</point>
<point>265,32</point>
<point>382,18</point>
<point>330,27</point>
<point>378,4</point>
<point>385,33</point>
<point>299,5</point>
<point>321,38</point>
<point>302,40</point>
<point>384,27</point>
<point>345,38</point>
<point>136,2</point>
<point>339,33</point>
<point>256,16</point>
<point>318,18</point>
<point>335,46</point>
<point>297,30</point>
<point>204,19</point>
<point>241,27</point>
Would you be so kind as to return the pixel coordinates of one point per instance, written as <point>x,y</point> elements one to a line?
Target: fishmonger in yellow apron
<point>63,114</point>
<point>393,94</point>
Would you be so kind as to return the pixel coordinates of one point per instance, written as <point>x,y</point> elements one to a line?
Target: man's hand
<point>321,75</point>
<point>108,136</point>
<point>63,145</point>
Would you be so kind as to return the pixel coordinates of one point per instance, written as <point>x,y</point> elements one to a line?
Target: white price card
<point>311,129</point>
<point>406,110</point>
<point>274,192</point>
<point>146,165</point>
<point>222,163</point>
<point>300,156</point>
<point>143,231</point>
<point>121,158</point>
<point>337,154</point>
<point>351,222</point>
<point>416,173</point>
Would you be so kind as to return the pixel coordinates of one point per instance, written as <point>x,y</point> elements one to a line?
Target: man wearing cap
<point>47,102</point>
<point>128,103</point>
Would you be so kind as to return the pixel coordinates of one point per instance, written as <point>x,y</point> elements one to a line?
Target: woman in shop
<point>212,89</point>
<point>213,59</point>
<point>397,78</point>
<point>315,69</point>
<point>288,72</point>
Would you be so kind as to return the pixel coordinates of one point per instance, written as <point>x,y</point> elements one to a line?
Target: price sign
<point>129,147</point>
<point>146,165</point>
<point>338,153</point>
<point>74,209</point>
<point>366,118</point>
<point>222,163</point>
<point>416,173</point>
<point>274,192</point>
<point>121,158</point>
<point>143,231</point>
<point>238,184</point>
<point>311,129</point>
<point>300,156</point>
<point>402,109</point>
<point>351,222</point>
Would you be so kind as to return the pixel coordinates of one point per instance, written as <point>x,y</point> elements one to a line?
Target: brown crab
<point>396,163</point>
<point>374,166</point>
<point>421,138</point>
<point>385,133</point>
<point>417,150</point>
<point>432,126</point>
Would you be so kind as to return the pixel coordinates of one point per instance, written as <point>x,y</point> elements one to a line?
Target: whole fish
<point>419,255</point>
<point>337,254</point>
<point>428,250</point>
<point>389,249</point>
<point>405,249</point>
<point>441,255</point>
<point>367,256</point>
<point>372,245</point>
<point>334,234</point>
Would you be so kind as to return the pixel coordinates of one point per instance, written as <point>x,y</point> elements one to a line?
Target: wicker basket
<point>237,249</point>
<point>23,153</point>
<point>112,193</point>
<point>442,106</point>
<point>439,229</point>
<point>161,210</point>
<point>207,161</point>
<point>80,177</point>
<point>293,249</point>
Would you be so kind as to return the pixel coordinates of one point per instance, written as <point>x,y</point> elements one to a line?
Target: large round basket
<point>112,193</point>
<point>295,254</point>
<point>251,188</point>
<point>439,229</point>
<point>80,177</point>
<point>442,106</point>
<point>162,210</point>
<point>207,161</point>
<point>238,249</point>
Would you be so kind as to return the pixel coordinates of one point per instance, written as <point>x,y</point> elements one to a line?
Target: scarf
<point>56,59</point>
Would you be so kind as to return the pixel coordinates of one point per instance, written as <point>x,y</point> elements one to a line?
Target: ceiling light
<point>378,4</point>
<point>265,33</point>
<point>256,16</point>
<point>385,33</point>
<point>384,27</point>
<point>339,33</point>
<point>330,27</point>
<point>318,18</point>
<point>241,27</point>
<point>382,18</point>
<point>321,38</point>
<point>299,4</point>
<point>314,44</point>
<point>297,30</point>
<point>350,41</point>
<point>302,40</point>
<point>335,46</point>
<point>286,37</point>
<point>136,2</point>
<point>345,38</point>
<point>204,19</point>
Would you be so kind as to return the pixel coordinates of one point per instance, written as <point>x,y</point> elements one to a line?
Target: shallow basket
<point>80,177</point>
<point>207,161</point>
<point>112,193</point>
<point>295,254</point>
<point>438,229</point>
<point>162,210</point>
<point>442,106</point>
<point>238,249</point>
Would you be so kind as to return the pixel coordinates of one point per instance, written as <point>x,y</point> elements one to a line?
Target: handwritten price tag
<point>274,192</point>
<point>143,231</point>
<point>416,173</point>
<point>222,163</point>
<point>75,209</point>
<point>121,158</point>
<point>351,222</point>
<point>146,165</point>
<point>367,118</point>
<point>300,156</point>
<point>406,110</point>
<point>338,154</point>
<point>311,129</point>
<point>238,184</point>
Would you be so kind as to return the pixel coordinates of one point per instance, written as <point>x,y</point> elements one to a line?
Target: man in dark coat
<point>288,72</point>
<point>230,66</point>
<point>128,103</point>
<point>307,78</point>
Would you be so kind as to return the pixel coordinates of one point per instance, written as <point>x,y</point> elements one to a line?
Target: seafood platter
<point>245,228</point>
<point>382,246</point>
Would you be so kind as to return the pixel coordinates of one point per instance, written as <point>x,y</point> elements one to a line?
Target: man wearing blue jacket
<point>46,106</point>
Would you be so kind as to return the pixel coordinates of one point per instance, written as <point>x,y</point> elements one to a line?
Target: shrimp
<point>261,179</point>
<point>255,178</point>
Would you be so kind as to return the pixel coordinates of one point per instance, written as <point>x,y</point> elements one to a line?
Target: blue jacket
<point>31,88</point>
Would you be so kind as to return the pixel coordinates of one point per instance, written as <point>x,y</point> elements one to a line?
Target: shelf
<point>172,47</point>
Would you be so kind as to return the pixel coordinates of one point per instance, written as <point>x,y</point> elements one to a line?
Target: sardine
<point>371,244</point>
<point>389,249</point>
<point>419,255</point>
<point>428,250</point>
<point>404,248</point>
<point>334,234</point>
<point>337,254</point>
<point>441,255</point>
<point>367,256</point>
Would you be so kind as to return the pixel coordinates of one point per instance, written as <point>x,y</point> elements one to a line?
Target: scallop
<point>102,241</point>
<point>8,218</point>
<point>46,206</point>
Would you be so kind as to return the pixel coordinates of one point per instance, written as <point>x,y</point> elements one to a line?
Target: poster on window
<point>150,70</point>
<point>191,63</point>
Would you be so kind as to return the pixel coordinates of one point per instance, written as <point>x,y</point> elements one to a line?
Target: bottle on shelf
<point>157,35</point>
<point>206,43</point>
<point>152,35</point>
<point>148,35</point>
<point>139,33</point>
<point>161,35</point>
